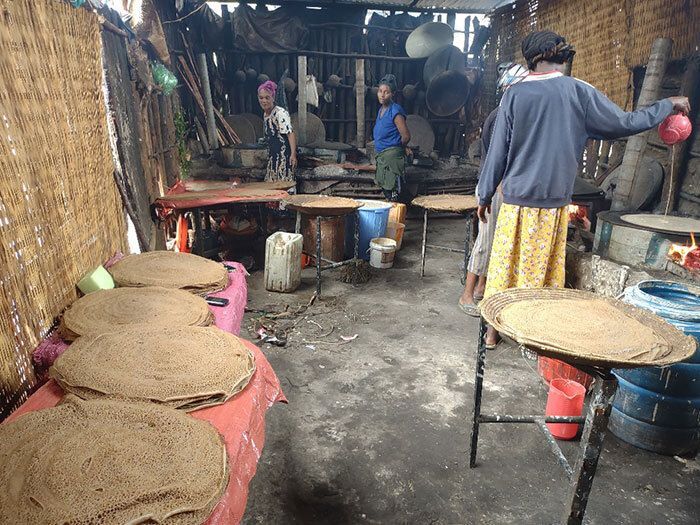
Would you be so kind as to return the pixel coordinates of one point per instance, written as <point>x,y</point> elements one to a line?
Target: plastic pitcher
<point>394,230</point>
<point>565,399</point>
<point>282,262</point>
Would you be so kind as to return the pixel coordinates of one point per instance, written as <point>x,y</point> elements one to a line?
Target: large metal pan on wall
<point>428,38</point>
<point>444,75</point>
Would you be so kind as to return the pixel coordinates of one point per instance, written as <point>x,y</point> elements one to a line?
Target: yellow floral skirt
<point>529,249</point>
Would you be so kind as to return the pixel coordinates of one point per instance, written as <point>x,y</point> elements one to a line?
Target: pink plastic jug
<point>565,399</point>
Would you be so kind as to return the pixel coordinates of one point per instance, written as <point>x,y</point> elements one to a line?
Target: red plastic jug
<point>565,399</point>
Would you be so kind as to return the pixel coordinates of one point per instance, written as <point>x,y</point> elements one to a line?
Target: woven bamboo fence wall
<point>60,213</point>
<point>610,36</point>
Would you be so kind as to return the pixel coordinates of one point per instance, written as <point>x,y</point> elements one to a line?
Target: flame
<point>680,252</point>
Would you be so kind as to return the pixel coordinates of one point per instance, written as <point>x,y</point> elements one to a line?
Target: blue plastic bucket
<point>374,216</point>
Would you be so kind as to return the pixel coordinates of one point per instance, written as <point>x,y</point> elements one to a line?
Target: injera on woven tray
<point>170,270</point>
<point>186,368</point>
<point>109,462</point>
<point>321,204</point>
<point>586,328</point>
<point>149,306</point>
<point>446,202</point>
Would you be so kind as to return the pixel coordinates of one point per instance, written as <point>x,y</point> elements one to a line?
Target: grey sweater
<point>540,134</point>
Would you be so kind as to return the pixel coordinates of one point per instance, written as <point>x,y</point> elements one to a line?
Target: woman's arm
<point>293,146</point>
<point>400,122</point>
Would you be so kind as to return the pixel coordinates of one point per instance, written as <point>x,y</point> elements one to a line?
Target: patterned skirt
<point>529,249</point>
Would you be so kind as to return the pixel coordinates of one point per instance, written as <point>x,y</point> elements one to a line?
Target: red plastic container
<point>676,128</point>
<point>565,399</point>
<point>550,369</point>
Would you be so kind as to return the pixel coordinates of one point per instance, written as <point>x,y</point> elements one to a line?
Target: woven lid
<point>170,270</point>
<point>186,368</point>
<point>109,462</point>
<point>446,202</point>
<point>584,328</point>
<point>321,204</point>
<point>150,306</point>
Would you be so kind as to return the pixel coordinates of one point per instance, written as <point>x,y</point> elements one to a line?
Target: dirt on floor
<point>379,379</point>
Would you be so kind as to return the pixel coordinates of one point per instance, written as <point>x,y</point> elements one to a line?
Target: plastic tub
<point>282,262</point>
<point>550,369</point>
<point>565,398</point>
<point>374,216</point>
<point>394,230</point>
<point>382,251</point>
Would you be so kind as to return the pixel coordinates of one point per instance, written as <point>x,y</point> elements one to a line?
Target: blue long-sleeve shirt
<point>540,133</point>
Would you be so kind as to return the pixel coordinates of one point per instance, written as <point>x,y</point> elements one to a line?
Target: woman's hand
<point>293,162</point>
<point>481,212</point>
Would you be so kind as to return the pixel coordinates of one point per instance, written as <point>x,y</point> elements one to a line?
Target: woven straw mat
<point>186,368</point>
<point>151,306</point>
<point>110,462</point>
<point>447,202</point>
<point>584,328</point>
<point>170,270</point>
<point>321,203</point>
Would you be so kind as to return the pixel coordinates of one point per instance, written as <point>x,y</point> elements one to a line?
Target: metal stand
<point>595,425</point>
<point>468,243</point>
<point>319,259</point>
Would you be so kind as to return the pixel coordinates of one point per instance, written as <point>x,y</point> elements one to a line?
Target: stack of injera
<point>148,307</point>
<point>186,368</point>
<point>110,462</point>
<point>170,270</point>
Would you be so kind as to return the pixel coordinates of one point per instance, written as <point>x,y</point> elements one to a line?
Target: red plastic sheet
<point>187,200</point>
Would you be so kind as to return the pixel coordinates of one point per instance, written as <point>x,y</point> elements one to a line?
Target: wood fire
<point>686,256</point>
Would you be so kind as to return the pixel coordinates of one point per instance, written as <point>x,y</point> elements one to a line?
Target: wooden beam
<point>208,105</point>
<point>360,101</point>
<point>301,95</point>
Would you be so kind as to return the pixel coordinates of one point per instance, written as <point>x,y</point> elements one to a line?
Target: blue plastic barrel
<point>374,216</point>
<point>658,409</point>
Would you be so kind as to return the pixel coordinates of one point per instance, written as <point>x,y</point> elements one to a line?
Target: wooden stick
<point>301,107</point>
<point>360,101</point>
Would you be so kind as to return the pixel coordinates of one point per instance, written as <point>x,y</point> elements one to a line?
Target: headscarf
<point>510,74</point>
<point>270,86</point>
<point>546,45</point>
<point>390,81</point>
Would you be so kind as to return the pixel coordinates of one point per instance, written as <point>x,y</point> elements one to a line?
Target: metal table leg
<point>198,237</point>
<point>425,238</point>
<point>591,447</point>
<point>478,388</point>
<point>356,252</point>
<point>297,226</point>
<point>318,255</point>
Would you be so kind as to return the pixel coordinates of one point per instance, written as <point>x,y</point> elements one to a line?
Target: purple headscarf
<point>268,85</point>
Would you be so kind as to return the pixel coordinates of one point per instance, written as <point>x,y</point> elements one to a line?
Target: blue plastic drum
<point>374,216</point>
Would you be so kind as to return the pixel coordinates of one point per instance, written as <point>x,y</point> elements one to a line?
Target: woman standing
<point>391,136</point>
<point>281,140</point>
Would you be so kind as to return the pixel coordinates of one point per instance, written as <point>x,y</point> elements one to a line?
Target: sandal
<point>494,345</point>
<point>470,309</point>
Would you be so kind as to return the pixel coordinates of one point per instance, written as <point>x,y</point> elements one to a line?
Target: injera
<point>170,270</point>
<point>109,462</point>
<point>606,332</point>
<point>150,306</point>
<point>187,367</point>
<point>447,202</point>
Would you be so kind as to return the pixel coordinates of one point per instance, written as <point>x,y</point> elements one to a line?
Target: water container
<point>397,212</point>
<point>382,251</point>
<point>657,408</point>
<point>394,230</point>
<point>565,398</point>
<point>374,216</point>
<point>283,262</point>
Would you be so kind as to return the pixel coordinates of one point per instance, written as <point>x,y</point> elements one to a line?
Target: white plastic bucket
<point>381,252</point>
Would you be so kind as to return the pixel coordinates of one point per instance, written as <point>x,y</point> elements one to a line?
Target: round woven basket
<point>680,346</point>
<point>447,202</point>
<point>321,204</point>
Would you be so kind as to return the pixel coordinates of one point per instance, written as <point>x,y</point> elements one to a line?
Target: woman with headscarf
<point>391,137</point>
<point>281,140</point>
<point>538,139</point>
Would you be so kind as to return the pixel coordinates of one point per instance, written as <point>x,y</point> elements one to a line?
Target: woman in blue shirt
<point>391,136</point>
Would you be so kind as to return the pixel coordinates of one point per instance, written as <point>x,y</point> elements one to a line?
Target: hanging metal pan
<point>428,38</point>
<point>447,83</point>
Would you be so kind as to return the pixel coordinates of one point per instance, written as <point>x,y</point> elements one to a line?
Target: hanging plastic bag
<point>164,78</point>
<point>77,3</point>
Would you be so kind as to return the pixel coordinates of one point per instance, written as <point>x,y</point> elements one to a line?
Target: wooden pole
<point>360,101</point>
<point>301,108</point>
<point>208,105</point>
<point>677,154</point>
<point>651,87</point>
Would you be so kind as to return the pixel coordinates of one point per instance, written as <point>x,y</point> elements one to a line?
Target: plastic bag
<point>164,78</point>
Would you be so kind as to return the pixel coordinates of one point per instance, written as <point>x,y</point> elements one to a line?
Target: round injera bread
<point>321,204</point>
<point>585,328</point>
<point>447,202</point>
<point>170,270</point>
<point>109,462</point>
<point>186,368</point>
<point>667,223</point>
<point>148,306</point>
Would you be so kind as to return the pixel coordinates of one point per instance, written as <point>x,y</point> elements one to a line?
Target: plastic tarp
<point>268,31</point>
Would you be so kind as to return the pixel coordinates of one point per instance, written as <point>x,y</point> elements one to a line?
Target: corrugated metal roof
<point>465,6</point>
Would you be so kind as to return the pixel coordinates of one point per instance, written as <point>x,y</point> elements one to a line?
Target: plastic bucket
<point>565,399</point>
<point>373,217</point>
<point>394,230</point>
<point>397,212</point>
<point>382,251</point>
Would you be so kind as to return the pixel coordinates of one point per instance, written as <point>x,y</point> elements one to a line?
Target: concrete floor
<point>376,430</point>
